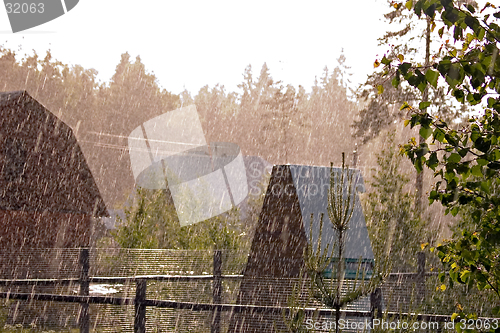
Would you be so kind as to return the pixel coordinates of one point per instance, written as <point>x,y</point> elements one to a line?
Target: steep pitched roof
<point>42,167</point>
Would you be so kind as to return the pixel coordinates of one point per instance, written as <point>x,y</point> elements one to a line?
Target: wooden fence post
<point>84,290</point>
<point>140,308</point>
<point>217,290</point>
<point>421,264</point>
<point>420,285</point>
<point>355,156</point>
<point>376,303</point>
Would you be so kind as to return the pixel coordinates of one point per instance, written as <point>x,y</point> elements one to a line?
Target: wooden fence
<point>141,302</point>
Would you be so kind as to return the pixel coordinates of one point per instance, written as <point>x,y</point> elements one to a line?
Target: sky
<point>190,44</point>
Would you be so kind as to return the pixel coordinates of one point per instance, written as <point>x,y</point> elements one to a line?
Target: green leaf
<point>485,187</point>
<point>480,34</point>
<point>425,132</point>
<point>482,145</point>
<point>440,32</point>
<point>418,164</point>
<point>481,161</point>
<point>472,22</point>
<point>404,67</point>
<point>451,15</point>
<point>451,140</point>
<point>430,10</point>
<point>491,102</point>
<point>424,105</point>
<point>476,170</point>
<point>459,95</point>
<point>494,165</point>
<point>418,8</point>
<point>475,135</point>
<point>439,135</point>
<point>454,158</point>
<point>395,82</point>
<point>432,77</point>
<point>443,66</point>
<point>420,82</point>
<point>385,61</point>
<point>433,161</point>
<point>496,155</point>
<point>467,255</point>
<point>455,75</point>
<point>474,98</point>
<point>458,33</point>
<point>496,310</point>
<point>409,4</point>
<point>463,170</point>
<point>463,151</point>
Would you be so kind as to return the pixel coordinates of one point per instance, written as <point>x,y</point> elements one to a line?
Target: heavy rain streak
<point>271,207</point>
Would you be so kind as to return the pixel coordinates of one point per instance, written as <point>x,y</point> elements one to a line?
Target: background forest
<point>266,118</point>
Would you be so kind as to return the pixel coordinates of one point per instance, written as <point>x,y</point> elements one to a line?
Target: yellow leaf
<point>407,121</point>
<point>443,287</point>
<point>376,63</point>
<point>401,57</point>
<point>380,89</point>
<point>433,26</point>
<point>405,106</point>
<point>423,245</point>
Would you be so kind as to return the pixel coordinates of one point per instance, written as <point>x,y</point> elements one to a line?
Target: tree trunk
<point>419,182</point>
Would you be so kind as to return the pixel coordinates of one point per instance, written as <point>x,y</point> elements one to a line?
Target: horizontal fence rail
<point>211,307</point>
<point>118,279</point>
<point>168,278</point>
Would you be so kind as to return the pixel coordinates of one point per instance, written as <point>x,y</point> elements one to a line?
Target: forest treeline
<point>266,118</point>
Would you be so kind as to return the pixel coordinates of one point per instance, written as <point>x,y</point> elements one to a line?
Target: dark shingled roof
<point>42,167</point>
